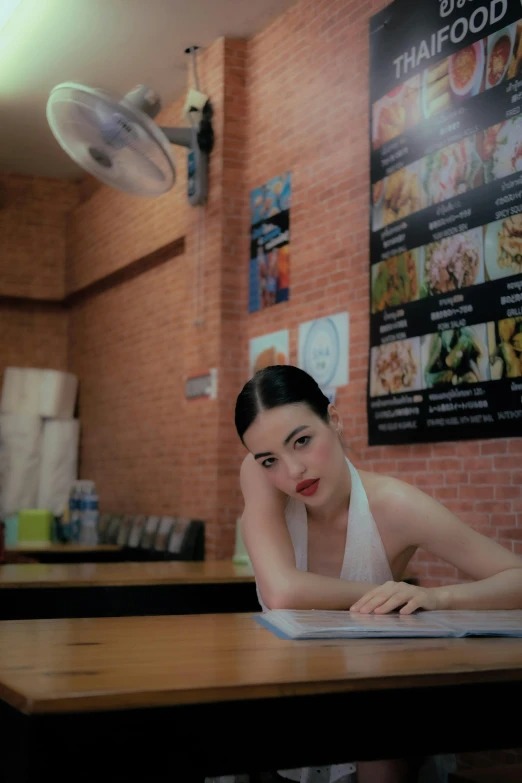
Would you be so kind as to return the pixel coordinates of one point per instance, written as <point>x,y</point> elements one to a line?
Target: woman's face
<point>300,453</point>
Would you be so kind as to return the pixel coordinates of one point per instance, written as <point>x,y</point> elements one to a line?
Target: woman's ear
<point>335,419</point>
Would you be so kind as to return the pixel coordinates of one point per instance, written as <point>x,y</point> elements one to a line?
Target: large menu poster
<point>446,221</point>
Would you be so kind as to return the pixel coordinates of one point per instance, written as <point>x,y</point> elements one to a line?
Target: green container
<point>34,525</point>
<point>240,554</point>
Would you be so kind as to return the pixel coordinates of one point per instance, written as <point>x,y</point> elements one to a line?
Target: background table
<point>125,589</point>
<point>68,553</point>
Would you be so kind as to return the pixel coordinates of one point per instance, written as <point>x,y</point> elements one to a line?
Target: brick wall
<point>110,229</point>
<point>124,345</point>
<point>33,215</point>
<point>133,345</point>
<point>232,303</point>
<point>307,86</point>
<point>127,342</point>
<point>32,336</point>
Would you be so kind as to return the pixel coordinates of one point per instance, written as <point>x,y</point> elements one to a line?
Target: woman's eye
<point>267,463</point>
<point>303,441</point>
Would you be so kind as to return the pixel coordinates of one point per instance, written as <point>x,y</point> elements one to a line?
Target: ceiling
<point>114,44</point>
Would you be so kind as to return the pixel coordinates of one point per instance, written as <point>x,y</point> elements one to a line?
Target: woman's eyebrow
<point>294,432</point>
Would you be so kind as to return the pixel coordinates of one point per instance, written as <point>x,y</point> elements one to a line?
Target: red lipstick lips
<point>308,487</point>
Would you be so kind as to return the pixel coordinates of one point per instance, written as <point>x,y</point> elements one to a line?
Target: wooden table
<point>68,553</point>
<point>171,698</point>
<point>124,589</point>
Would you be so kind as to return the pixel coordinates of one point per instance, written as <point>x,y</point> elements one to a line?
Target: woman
<point>322,535</point>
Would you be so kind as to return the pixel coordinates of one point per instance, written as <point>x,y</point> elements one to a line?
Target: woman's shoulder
<point>388,497</point>
<point>382,487</point>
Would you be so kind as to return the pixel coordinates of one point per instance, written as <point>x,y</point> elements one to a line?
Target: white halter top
<point>365,558</point>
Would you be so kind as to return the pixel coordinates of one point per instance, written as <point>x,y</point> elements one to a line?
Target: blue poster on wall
<point>269,271</point>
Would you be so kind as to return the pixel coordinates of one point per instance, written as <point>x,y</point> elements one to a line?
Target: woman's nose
<point>296,469</point>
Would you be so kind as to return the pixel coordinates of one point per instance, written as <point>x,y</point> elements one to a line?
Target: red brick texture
<point>32,336</point>
<point>33,216</point>
<point>295,97</point>
<point>147,447</point>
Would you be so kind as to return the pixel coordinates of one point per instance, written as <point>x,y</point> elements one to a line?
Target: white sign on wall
<point>323,350</point>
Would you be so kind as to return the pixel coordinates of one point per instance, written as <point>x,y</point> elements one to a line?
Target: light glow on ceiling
<point>7,8</point>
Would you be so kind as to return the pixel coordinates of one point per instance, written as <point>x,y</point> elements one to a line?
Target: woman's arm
<point>268,542</point>
<point>425,523</point>
<point>501,591</point>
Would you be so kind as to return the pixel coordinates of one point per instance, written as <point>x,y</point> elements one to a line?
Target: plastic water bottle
<point>90,514</point>
<point>75,513</point>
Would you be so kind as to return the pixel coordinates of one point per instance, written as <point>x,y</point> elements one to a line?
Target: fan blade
<point>140,165</point>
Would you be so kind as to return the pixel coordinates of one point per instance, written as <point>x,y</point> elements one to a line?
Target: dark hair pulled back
<point>274,386</point>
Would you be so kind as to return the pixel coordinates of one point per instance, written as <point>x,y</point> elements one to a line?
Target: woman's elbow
<point>280,596</point>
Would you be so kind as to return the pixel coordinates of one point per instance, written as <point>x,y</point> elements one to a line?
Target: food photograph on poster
<point>269,350</point>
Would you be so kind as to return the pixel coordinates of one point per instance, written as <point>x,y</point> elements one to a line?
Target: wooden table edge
<point>32,704</point>
<point>56,584</point>
<point>70,548</point>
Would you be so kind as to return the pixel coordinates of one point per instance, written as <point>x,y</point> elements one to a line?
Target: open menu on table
<point>319,624</point>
